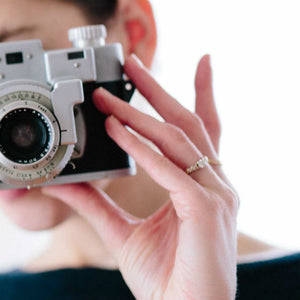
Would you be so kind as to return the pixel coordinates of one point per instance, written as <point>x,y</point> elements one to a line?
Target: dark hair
<point>98,11</point>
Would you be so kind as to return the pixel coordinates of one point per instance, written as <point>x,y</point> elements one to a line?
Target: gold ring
<point>214,162</point>
<point>201,163</point>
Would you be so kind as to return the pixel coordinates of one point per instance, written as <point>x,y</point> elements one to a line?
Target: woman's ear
<point>140,29</point>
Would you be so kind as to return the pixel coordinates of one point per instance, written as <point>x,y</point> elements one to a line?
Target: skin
<point>164,213</point>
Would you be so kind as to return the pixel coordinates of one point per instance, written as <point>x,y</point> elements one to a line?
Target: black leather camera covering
<point>101,152</point>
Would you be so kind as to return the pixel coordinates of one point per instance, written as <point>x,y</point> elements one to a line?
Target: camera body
<point>50,131</point>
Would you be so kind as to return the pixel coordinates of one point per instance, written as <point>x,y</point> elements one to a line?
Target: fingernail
<point>207,56</point>
<point>113,119</point>
<point>103,91</point>
<point>136,60</point>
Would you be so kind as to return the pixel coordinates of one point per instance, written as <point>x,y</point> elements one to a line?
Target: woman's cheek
<point>33,210</point>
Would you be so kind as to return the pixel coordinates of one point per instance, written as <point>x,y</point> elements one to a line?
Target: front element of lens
<point>25,136</point>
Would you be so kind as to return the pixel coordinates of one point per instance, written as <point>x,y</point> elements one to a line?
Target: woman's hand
<point>187,249</point>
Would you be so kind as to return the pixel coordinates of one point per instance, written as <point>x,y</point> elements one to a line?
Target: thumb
<point>113,224</point>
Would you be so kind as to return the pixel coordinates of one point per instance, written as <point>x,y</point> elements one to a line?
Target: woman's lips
<point>12,194</point>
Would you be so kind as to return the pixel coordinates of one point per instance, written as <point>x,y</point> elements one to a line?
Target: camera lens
<point>24,136</point>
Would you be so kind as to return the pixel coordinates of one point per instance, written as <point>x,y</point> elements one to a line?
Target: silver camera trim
<point>59,76</point>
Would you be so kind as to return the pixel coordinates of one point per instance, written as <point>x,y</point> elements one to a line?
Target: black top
<point>276,279</point>
<point>65,284</point>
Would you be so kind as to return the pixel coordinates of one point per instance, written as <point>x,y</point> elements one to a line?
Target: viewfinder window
<point>75,55</point>
<point>14,58</point>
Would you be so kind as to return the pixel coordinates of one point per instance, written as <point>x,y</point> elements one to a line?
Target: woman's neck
<point>68,249</point>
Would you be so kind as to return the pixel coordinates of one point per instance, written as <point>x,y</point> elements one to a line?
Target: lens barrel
<point>24,136</point>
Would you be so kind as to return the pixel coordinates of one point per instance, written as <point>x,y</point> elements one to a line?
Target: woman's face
<point>49,21</point>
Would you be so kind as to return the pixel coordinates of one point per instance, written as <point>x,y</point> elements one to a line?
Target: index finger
<point>169,108</point>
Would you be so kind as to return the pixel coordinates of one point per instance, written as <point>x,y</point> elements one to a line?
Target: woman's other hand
<point>187,249</point>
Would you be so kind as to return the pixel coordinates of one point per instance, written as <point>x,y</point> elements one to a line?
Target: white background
<point>255,49</point>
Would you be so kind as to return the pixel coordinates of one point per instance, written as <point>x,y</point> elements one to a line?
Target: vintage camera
<point>50,131</point>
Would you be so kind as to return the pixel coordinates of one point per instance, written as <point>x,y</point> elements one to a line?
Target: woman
<point>175,235</point>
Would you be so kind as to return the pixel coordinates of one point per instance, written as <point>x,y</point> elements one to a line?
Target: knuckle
<point>232,200</point>
<point>225,202</point>
<point>176,133</point>
<point>195,121</point>
<point>214,127</point>
<point>190,120</point>
<point>129,141</point>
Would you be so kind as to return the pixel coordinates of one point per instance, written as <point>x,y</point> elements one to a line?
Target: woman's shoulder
<point>266,272</point>
<point>250,249</point>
